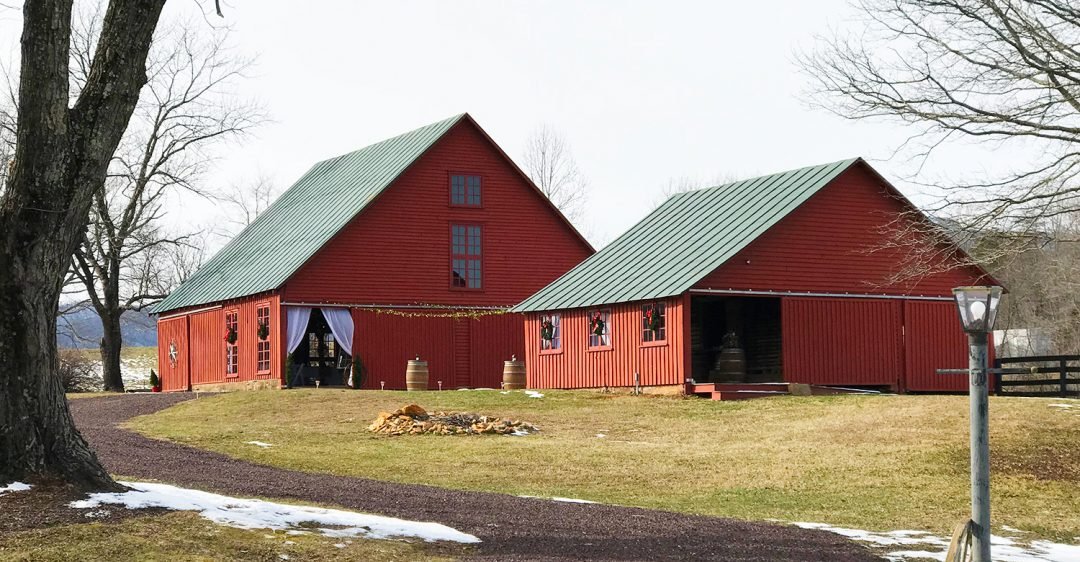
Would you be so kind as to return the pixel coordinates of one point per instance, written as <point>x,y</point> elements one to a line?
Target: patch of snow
<point>557,499</point>
<point>260,514</point>
<point>1062,406</point>
<point>283,556</point>
<point>533,394</point>
<point>504,392</point>
<point>600,436</point>
<point>1011,529</point>
<point>339,545</point>
<point>519,433</point>
<point>1005,549</point>
<point>15,487</point>
<point>97,513</point>
<point>290,543</point>
<point>570,500</point>
<point>258,444</point>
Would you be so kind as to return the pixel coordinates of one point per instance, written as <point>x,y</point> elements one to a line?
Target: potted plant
<point>155,382</point>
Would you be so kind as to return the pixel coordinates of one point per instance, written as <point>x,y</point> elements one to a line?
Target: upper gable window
<point>465,190</point>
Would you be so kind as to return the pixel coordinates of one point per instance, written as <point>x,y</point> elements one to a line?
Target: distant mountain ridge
<point>82,329</point>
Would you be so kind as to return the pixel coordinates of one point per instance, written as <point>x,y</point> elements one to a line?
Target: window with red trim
<point>232,336</point>
<point>466,255</point>
<point>465,190</point>
<point>262,346</point>
<point>652,322</point>
<point>600,328</point>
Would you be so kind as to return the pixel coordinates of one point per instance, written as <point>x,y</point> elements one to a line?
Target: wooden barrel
<point>730,366</point>
<point>513,375</point>
<point>416,375</point>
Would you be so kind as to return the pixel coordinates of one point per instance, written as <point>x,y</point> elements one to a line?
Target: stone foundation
<point>261,384</point>
<point>663,390</point>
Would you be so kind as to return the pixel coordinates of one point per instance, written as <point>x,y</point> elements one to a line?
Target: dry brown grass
<point>181,536</point>
<point>872,462</point>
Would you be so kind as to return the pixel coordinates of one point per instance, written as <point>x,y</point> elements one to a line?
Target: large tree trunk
<point>61,157</point>
<point>111,343</point>
<point>38,436</point>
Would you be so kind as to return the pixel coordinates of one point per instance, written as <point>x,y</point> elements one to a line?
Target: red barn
<point>414,246</point>
<point>778,279</point>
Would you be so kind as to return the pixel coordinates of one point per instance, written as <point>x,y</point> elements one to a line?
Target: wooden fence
<point>1039,375</point>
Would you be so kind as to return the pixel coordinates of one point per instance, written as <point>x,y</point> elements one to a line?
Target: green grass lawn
<point>180,536</point>
<point>872,462</point>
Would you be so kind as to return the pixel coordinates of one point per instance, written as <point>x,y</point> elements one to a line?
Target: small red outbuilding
<point>791,269</point>
<point>413,246</point>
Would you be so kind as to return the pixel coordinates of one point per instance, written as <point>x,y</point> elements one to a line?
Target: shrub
<point>79,373</point>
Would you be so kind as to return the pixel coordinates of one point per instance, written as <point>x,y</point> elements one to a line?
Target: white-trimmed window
<point>550,333</point>
<point>232,335</point>
<point>600,328</point>
<point>653,322</point>
<point>262,345</point>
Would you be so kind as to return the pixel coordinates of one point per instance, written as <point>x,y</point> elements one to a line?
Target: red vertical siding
<point>206,332</point>
<point>831,244</point>
<point>493,340</point>
<point>173,331</point>
<point>576,366</point>
<point>934,339</point>
<point>386,342</point>
<point>462,353</point>
<point>842,341</point>
<point>204,341</point>
<point>397,251</point>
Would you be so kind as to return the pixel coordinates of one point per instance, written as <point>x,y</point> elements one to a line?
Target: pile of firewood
<point>414,420</point>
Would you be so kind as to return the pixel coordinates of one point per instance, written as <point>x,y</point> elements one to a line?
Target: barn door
<point>462,364</point>
<point>173,354</point>
<point>933,340</point>
<point>842,341</point>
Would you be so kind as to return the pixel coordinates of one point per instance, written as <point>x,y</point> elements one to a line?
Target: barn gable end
<point>835,243</point>
<point>397,250</point>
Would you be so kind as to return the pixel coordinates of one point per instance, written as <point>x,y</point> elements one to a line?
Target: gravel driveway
<point>510,527</point>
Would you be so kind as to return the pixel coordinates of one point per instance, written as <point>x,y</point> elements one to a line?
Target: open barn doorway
<point>321,358</point>
<point>735,339</point>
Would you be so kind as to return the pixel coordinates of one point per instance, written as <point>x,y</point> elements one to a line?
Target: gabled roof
<point>304,218</point>
<point>683,240</point>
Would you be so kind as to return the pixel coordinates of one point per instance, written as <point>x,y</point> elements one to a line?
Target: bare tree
<point>62,156</point>
<point>249,200</point>
<point>184,110</point>
<point>683,184</point>
<point>551,166</point>
<point>1001,73</point>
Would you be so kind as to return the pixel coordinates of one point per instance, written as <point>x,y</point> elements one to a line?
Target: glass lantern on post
<point>978,310</point>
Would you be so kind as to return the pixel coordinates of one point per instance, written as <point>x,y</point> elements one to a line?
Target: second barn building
<point>785,278</point>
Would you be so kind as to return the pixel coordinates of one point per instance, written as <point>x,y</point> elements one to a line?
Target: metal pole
<point>980,448</point>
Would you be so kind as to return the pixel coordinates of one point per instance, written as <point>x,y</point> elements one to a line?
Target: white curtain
<point>296,320</point>
<point>340,321</point>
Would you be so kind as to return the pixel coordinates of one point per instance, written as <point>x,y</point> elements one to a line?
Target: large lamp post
<point>978,310</point>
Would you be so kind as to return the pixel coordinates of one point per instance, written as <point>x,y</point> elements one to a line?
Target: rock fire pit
<point>414,420</point>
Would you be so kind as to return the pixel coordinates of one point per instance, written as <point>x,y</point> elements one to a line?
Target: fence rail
<point>1042,375</point>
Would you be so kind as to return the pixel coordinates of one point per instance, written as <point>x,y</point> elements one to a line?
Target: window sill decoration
<point>230,335</point>
<point>652,320</point>
<point>547,330</point>
<point>264,331</point>
<point>597,325</point>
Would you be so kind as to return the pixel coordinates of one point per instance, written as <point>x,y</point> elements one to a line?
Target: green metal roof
<point>281,239</point>
<point>683,240</point>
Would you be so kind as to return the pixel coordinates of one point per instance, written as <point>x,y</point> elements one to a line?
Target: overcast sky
<point>643,91</point>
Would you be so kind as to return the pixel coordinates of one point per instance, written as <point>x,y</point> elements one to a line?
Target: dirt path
<point>510,527</point>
